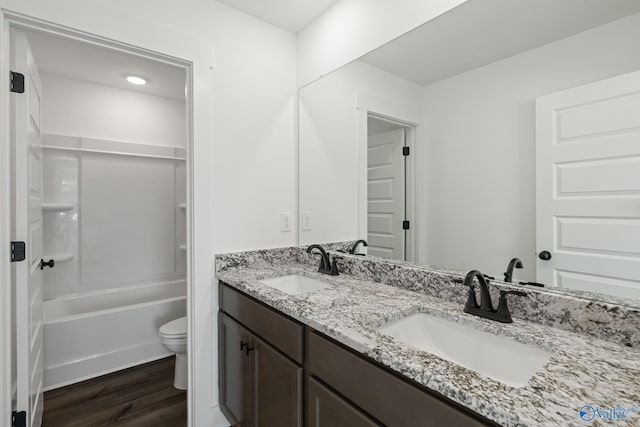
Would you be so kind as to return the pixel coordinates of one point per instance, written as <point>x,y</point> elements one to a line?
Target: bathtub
<point>95,333</point>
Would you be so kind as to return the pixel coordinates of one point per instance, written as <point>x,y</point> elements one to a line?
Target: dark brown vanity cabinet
<point>235,375</point>
<point>261,377</point>
<point>384,396</point>
<point>260,386</point>
<point>327,409</point>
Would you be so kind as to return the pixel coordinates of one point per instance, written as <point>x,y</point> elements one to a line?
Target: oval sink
<point>295,284</point>
<point>500,358</point>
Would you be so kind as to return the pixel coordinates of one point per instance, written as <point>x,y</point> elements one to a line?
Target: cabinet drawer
<point>284,334</point>
<point>387,398</point>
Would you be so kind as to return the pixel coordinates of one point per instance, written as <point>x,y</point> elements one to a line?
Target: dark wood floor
<point>136,397</point>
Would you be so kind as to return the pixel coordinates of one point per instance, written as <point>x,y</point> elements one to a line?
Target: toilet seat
<point>175,329</point>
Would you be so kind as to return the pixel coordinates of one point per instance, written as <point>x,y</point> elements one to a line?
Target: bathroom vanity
<point>320,358</point>
<point>261,377</point>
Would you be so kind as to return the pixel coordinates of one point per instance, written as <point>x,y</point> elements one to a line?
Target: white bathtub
<point>96,333</point>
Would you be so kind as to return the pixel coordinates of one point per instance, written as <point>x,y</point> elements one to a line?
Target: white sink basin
<point>295,284</point>
<point>500,358</point>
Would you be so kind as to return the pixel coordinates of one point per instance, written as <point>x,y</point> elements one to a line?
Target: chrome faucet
<point>326,265</point>
<point>485,308</point>
<point>514,263</point>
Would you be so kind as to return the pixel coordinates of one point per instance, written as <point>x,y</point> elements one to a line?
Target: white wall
<point>481,139</point>
<point>253,119</point>
<point>80,108</point>
<point>254,131</point>
<point>244,140</point>
<point>351,28</point>
<point>333,135</point>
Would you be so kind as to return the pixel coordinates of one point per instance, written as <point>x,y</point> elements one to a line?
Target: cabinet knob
<point>246,347</point>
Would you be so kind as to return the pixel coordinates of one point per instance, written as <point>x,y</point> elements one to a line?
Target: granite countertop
<point>582,371</point>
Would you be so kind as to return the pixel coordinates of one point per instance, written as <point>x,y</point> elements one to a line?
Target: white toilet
<point>174,337</point>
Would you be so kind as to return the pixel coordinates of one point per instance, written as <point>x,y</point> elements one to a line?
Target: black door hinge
<point>405,225</point>
<point>17,82</point>
<point>405,151</point>
<point>19,419</point>
<point>18,251</point>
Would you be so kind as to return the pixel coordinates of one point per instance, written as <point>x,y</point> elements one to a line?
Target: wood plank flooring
<point>136,397</point>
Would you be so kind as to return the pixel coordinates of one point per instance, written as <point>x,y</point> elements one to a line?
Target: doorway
<point>88,149</point>
<point>389,184</point>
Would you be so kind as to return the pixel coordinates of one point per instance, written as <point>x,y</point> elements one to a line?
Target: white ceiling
<point>291,15</point>
<point>480,32</point>
<point>80,61</point>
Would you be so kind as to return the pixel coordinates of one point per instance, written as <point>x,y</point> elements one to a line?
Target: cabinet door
<point>235,372</point>
<point>326,409</point>
<point>386,397</point>
<point>277,396</point>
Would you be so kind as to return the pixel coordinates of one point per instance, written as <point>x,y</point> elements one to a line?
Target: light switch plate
<point>285,221</point>
<point>306,221</point>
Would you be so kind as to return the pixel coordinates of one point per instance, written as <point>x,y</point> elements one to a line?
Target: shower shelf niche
<point>57,207</point>
<point>60,257</point>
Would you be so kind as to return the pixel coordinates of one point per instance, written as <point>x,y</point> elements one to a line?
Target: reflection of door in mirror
<point>588,180</point>
<point>386,189</point>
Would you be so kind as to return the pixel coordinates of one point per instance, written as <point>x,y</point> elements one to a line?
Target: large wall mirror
<point>502,129</point>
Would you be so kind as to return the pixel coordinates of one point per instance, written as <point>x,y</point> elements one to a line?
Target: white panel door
<point>27,227</point>
<point>588,186</point>
<point>386,194</point>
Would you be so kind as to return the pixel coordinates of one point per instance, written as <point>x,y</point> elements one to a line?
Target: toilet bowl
<point>173,336</point>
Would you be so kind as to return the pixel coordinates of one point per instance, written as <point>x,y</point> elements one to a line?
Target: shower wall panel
<point>115,214</point>
<point>128,214</point>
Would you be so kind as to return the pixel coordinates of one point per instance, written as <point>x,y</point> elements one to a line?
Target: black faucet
<point>354,248</point>
<point>326,265</point>
<point>514,263</point>
<point>485,309</point>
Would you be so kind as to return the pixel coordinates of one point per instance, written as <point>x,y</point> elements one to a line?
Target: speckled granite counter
<point>582,371</point>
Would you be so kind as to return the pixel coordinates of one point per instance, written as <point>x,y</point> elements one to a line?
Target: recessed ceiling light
<point>136,80</point>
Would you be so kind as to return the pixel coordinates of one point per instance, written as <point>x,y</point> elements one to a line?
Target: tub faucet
<point>326,266</point>
<point>514,263</point>
<point>485,308</point>
<point>354,248</point>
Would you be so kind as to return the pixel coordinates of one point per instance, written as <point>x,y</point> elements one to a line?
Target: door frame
<point>406,117</point>
<point>9,20</point>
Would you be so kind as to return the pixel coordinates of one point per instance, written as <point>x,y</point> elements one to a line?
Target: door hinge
<point>17,82</point>
<point>18,251</point>
<point>19,419</point>
<point>405,225</point>
<point>405,151</point>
